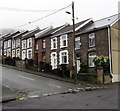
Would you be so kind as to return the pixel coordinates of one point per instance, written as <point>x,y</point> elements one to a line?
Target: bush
<point>83,68</point>
<point>102,61</point>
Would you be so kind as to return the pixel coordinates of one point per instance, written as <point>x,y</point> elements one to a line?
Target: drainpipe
<point>110,55</point>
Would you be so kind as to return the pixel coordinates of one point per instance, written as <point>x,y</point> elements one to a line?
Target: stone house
<point>62,45</point>
<point>100,38</point>
<point>8,44</point>
<point>28,44</point>
<point>16,45</point>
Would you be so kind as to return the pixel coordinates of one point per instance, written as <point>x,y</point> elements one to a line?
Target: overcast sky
<point>84,9</point>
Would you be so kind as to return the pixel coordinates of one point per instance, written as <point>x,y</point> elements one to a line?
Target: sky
<point>84,9</point>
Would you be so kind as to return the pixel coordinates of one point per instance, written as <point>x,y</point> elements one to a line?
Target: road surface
<point>32,84</point>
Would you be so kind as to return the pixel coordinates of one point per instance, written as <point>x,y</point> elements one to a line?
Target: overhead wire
<point>44,16</point>
<point>23,10</point>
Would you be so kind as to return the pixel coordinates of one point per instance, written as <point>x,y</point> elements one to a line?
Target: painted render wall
<point>115,50</point>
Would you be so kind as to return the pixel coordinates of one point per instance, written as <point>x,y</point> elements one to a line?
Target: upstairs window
<point>24,44</point>
<point>91,40</point>
<point>29,42</point>
<point>13,44</point>
<point>9,43</point>
<point>77,43</point>
<point>53,43</point>
<point>18,53</point>
<point>63,41</point>
<point>18,43</point>
<point>36,45</point>
<point>91,56</point>
<point>43,43</point>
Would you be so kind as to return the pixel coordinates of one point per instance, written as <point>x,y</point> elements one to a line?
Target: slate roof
<point>20,34</point>
<point>10,35</point>
<point>102,23</point>
<point>49,31</point>
<point>30,33</point>
<point>68,28</point>
<point>2,36</point>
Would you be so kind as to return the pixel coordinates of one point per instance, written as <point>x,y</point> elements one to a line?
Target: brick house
<point>62,45</point>
<point>28,44</point>
<point>43,44</point>
<point>99,38</point>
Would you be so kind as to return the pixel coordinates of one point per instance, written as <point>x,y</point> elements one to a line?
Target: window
<point>92,55</point>
<point>91,40</point>
<point>24,44</point>
<point>8,52</point>
<point>54,43</point>
<point>18,43</point>
<point>5,52</point>
<point>23,54</point>
<point>29,42</point>
<point>77,43</point>
<point>13,44</point>
<point>29,53</point>
<point>64,57</point>
<point>36,45</point>
<point>54,60</point>
<point>18,53</point>
<point>63,41</point>
<point>9,43</point>
<point>44,44</point>
<point>5,44</point>
<point>13,53</point>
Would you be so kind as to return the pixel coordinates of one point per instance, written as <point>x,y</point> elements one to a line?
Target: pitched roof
<point>49,31</point>
<point>69,28</point>
<point>19,34</point>
<point>2,36</point>
<point>12,34</point>
<point>102,23</point>
<point>30,33</point>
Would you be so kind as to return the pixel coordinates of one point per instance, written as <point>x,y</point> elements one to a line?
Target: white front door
<point>78,66</point>
<point>54,60</point>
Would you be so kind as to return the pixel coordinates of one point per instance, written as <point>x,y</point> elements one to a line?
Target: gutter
<point>110,55</point>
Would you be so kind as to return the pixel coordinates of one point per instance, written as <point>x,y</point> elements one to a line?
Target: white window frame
<point>23,54</point>
<point>13,44</point>
<point>28,53</point>
<point>9,52</point>
<point>9,43</point>
<point>92,39</point>
<point>61,57</point>
<point>29,42</point>
<point>54,60</point>
<point>13,53</point>
<point>36,46</point>
<point>17,43</point>
<point>53,43</point>
<point>5,52</point>
<point>43,43</point>
<point>77,41</point>
<point>62,39</point>
<point>18,52</point>
<point>91,56</point>
<point>23,44</point>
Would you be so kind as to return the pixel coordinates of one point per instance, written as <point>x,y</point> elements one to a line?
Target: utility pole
<point>74,53</point>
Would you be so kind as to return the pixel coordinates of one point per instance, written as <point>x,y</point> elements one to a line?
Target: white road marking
<point>25,77</point>
<point>58,86</point>
<point>35,96</point>
<point>55,85</point>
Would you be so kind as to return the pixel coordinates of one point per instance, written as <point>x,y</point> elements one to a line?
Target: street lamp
<point>74,53</point>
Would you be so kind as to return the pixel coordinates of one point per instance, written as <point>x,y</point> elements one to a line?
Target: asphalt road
<point>31,84</point>
<point>97,99</point>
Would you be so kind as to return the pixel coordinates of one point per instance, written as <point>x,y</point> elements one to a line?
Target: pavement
<point>9,94</point>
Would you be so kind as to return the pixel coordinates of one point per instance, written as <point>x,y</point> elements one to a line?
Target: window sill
<point>63,47</point>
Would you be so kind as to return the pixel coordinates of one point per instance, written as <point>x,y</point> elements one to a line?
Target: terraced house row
<point>55,46</point>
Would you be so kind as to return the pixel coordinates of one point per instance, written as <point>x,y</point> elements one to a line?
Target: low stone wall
<point>20,64</point>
